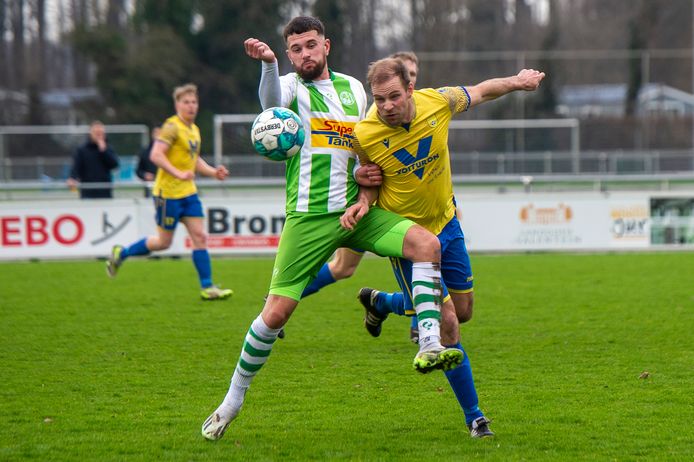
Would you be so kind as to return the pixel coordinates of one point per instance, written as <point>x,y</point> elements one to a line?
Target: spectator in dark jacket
<point>93,163</point>
<point>146,170</point>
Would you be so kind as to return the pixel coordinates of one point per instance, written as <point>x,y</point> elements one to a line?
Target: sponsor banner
<point>238,242</point>
<point>630,223</point>
<point>251,221</point>
<point>536,222</point>
<point>65,229</point>
<point>90,228</point>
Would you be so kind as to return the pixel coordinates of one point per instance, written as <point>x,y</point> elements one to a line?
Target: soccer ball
<point>277,133</point>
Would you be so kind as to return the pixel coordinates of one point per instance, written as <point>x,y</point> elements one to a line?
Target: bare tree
<point>116,14</point>
<point>80,16</point>
<point>18,44</point>
<point>39,12</point>
<point>4,70</point>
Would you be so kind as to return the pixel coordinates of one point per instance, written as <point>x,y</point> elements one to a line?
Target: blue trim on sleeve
<point>469,100</point>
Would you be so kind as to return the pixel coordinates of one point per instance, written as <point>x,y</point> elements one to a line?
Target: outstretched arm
<point>527,80</point>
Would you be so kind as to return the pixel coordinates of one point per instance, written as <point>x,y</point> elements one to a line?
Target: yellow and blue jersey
<point>184,149</point>
<point>414,157</point>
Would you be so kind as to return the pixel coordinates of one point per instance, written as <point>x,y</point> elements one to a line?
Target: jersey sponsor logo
<point>416,164</point>
<point>326,133</point>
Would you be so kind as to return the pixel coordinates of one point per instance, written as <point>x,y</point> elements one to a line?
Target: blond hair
<point>184,90</point>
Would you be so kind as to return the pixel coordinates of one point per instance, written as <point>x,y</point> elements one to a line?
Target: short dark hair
<point>385,69</point>
<point>301,24</point>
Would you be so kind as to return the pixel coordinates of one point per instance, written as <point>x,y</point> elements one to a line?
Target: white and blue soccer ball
<point>277,133</point>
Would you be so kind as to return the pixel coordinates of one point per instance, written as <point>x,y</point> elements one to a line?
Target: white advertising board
<point>571,222</point>
<point>66,229</point>
<point>250,222</point>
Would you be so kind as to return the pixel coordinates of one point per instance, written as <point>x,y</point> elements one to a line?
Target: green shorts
<point>308,241</point>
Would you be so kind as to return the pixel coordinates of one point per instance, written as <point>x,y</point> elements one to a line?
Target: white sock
<point>426,293</point>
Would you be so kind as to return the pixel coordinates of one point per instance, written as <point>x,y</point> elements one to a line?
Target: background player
<point>176,153</point>
<point>407,137</point>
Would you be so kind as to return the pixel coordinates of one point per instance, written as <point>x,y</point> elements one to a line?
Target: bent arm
<point>110,158</point>
<point>158,158</point>
<point>203,168</point>
<point>367,195</point>
<point>270,88</point>
<point>356,212</point>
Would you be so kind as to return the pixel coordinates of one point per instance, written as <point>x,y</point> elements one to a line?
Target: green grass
<point>127,369</point>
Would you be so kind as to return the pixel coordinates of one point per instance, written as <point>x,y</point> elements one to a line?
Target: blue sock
<point>135,249</point>
<point>201,260</point>
<point>463,386</point>
<point>390,303</point>
<point>414,324</point>
<point>323,279</point>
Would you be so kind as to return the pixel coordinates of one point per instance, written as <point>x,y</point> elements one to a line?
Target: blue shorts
<point>170,211</point>
<point>456,272</point>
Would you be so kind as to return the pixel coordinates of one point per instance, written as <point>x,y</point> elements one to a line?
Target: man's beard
<point>312,74</point>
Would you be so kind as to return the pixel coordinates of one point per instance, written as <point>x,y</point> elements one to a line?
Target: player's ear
<point>410,88</point>
<point>327,46</point>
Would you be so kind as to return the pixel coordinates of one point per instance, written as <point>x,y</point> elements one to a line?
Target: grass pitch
<point>576,357</point>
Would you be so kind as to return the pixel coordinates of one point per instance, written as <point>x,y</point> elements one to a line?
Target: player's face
<point>411,71</point>
<point>393,100</point>
<point>308,53</point>
<point>187,107</point>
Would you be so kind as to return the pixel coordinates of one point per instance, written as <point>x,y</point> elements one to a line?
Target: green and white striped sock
<point>256,350</point>
<point>426,292</point>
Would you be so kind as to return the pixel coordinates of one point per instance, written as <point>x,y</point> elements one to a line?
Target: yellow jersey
<point>184,149</point>
<point>414,157</point>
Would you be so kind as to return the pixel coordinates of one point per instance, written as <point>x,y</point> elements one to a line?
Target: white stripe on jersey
<point>338,183</point>
<point>304,175</point>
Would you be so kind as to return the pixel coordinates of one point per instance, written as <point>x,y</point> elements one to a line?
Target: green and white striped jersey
<point>320,178</point>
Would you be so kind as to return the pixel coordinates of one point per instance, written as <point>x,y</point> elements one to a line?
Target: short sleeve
<point>361,154</point>
<point>458,98</point>
<point>168,133</point>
